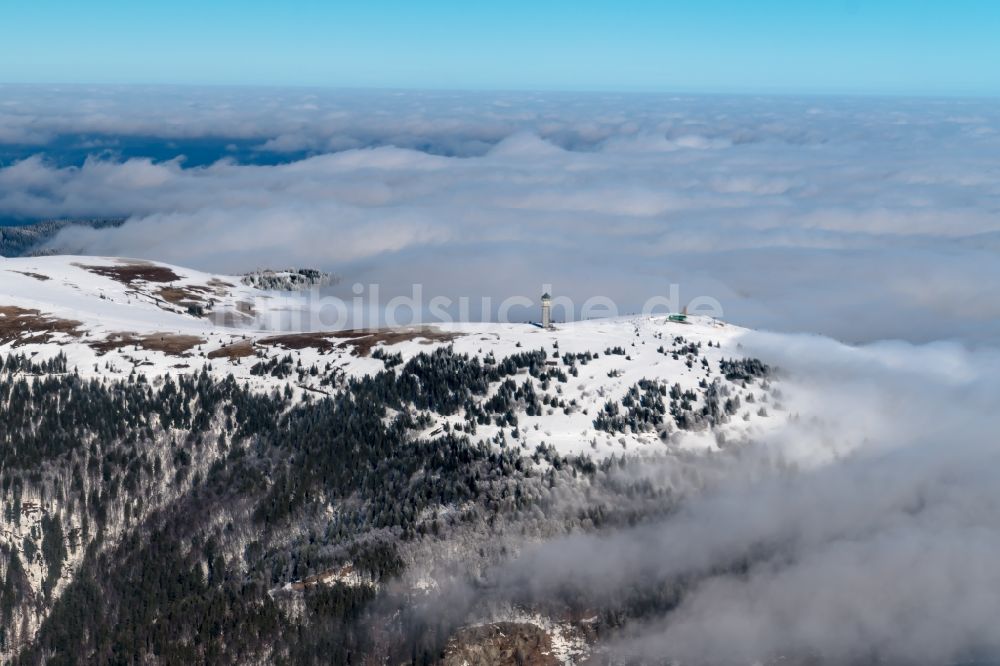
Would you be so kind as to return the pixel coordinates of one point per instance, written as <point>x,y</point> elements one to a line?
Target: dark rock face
<point>501,643</point>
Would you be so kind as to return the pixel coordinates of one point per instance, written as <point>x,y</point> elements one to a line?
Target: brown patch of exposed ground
<point>189,298</point>
<point>23,326</point>
<point>500,643</point>
<point>360,342</point>
<point>169,343</point>
<point>320,341</point>
<point>37,276</point>
<point>184,296</point>
<point>240,349</point>
<point>130,272</point>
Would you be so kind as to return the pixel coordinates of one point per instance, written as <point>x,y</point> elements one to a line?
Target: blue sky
<point>787,46</point>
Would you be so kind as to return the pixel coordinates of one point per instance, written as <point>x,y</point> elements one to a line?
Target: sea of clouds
<point>862,218</point>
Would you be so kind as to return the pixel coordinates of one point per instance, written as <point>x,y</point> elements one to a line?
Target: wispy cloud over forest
<point>862,530</point>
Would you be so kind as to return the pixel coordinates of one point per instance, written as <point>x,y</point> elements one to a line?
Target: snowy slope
<point>113,316</point>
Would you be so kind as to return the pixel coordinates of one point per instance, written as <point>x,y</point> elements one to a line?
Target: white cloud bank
<point>862,218</point>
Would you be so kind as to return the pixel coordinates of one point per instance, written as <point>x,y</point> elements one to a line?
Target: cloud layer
<point>861,218</point>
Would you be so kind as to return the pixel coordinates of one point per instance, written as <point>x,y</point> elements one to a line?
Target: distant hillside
<point>292,279</point>
<point>24,240</point>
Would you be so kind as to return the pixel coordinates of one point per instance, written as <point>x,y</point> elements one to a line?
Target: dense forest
<point>193,520</point>
<point>20,240</point>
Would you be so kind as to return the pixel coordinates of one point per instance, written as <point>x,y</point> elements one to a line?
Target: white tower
<point>546,311</point>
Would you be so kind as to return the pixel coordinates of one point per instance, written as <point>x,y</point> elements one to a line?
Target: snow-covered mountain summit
<point>597,387</point>
<point>146,399</point>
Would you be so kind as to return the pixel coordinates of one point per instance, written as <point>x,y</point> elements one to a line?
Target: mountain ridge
<point>327,481</point>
